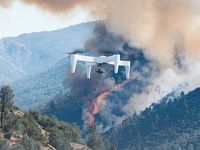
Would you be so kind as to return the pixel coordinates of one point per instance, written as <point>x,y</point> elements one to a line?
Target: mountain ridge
<point>33,53</point>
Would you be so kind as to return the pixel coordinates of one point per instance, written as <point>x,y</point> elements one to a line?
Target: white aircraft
<point>99,61</point>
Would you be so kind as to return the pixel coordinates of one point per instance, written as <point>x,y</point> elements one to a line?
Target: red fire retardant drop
<point>96,104</point>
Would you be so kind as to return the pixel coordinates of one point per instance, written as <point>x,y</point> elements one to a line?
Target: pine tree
<point>113,147</point>
<point>6,102</point>
<point>94,139</point>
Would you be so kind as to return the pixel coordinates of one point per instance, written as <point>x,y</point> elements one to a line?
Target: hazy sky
<point>22,18</point>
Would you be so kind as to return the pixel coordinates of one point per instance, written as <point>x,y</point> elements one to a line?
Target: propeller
<point>76,52</point>
<point>110,52</point>
<point>81,51</point>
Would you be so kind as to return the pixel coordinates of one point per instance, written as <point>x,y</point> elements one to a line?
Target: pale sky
<point>22,18</point>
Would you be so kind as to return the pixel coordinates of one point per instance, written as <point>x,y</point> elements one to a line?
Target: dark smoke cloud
<point>103,41</point>
<point>84,92</point>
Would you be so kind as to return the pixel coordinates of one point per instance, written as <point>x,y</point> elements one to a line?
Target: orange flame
<point>96,104</point>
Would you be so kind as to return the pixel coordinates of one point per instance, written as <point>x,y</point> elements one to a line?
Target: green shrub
<point>30,144</point>
<point>31,128</point>
<point>58,139</point>
<point>7,135</point>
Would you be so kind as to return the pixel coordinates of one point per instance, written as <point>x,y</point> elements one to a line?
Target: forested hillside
<point>34,131</point>
<point>171,124</point>
<point>37,90</point>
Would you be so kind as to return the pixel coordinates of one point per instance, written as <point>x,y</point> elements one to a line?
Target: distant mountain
<point>171,124</point>
<point>37,90</point>
<point>33,53</point>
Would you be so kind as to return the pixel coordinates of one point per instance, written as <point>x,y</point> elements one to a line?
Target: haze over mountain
<point>36,90</point>
<point>33,53</point>
<point>35,62</point>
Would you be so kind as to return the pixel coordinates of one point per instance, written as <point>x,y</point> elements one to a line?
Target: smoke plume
<point>166,31</point>
<point>162,28</point>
